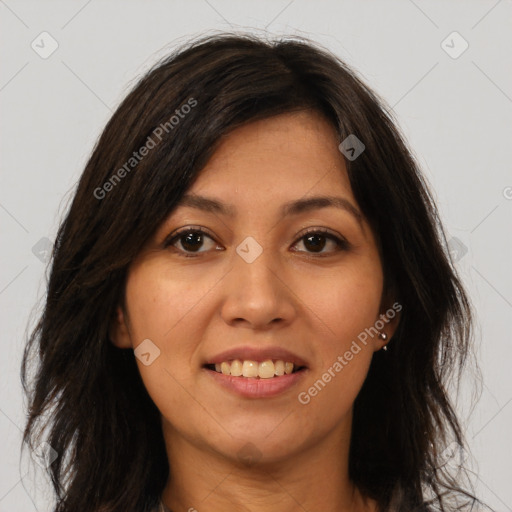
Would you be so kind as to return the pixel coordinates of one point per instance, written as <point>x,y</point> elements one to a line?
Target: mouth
<point>255,372</point>
<point>250,369</point>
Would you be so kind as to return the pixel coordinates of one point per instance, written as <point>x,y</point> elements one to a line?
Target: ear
<point>390,315</point>
<point>119,333</point>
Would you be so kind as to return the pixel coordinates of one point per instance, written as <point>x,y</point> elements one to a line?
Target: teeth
<point>236,368</point>
<point>264,370</point>
<point>249,369</point>
<point>225,368</point>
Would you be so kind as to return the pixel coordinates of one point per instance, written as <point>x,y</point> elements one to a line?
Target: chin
<point>261,446</point>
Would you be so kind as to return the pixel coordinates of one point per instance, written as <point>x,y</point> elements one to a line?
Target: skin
<point>314,304</point>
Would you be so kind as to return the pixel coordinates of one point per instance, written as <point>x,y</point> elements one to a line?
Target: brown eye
<point>189,241</point>
<point>318,240</point>
<point>315,243</point>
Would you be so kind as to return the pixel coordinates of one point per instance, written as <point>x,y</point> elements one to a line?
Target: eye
<point>191,240</point>
<point>316,240</point>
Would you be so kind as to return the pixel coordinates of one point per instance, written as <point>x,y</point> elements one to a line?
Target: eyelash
<point>341,243</point>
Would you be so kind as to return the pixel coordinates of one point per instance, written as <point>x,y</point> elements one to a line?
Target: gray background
<point>455,112</point>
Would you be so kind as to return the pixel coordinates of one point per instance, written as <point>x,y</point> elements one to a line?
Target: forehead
<point>277,159</point>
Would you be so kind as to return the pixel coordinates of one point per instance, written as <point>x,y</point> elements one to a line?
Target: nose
<point>256,295</point>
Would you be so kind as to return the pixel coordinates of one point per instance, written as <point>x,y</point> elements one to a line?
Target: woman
<point>250,305</point>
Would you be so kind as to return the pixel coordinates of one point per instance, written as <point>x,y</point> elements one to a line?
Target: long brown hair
<point>87,395</point>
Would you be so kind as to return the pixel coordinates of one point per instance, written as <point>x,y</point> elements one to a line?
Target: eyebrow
<point>290,208</point>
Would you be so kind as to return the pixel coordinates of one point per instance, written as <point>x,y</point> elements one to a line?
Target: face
<point>269,259</point>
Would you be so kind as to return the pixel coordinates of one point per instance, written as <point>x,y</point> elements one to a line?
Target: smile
<point>256,372</point>
<point>253,369</point>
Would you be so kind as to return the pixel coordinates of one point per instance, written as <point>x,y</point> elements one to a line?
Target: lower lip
<point>250,387</point>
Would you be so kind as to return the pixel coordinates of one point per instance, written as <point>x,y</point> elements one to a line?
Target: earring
<point>383,336</point>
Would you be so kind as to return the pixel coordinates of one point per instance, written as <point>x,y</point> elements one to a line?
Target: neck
<point>314,478</point>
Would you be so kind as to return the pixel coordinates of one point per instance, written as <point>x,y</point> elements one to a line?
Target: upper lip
<point>257,354</point>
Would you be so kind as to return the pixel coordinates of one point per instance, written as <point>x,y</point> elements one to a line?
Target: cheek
<point>345,303</point>
<point>171,308</point>
<point>351,311</point>
<point>161,308</point>
<point>160,300</point>
<point>345,306</point>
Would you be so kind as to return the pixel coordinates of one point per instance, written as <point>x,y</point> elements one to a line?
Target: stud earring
<point>383,336</point>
